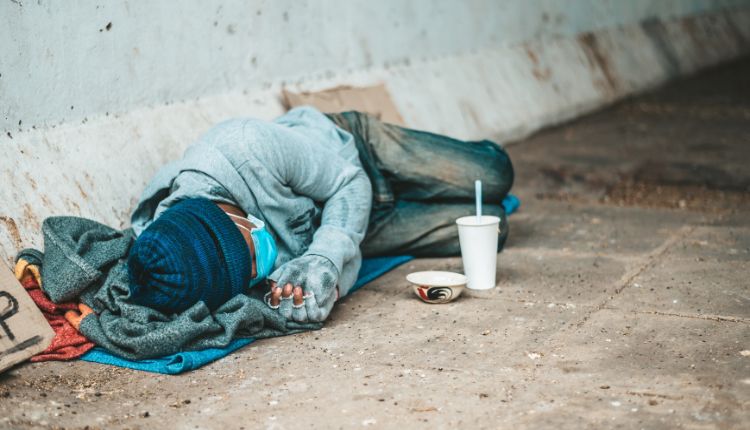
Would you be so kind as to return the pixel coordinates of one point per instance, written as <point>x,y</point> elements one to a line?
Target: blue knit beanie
<point>193,252</point>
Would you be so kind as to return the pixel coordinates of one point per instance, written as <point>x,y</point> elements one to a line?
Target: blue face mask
<point>265,248</point>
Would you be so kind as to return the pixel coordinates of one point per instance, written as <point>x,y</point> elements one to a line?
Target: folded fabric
<point>68,342</point>
<point>87,260</point>
<point>173,364</point>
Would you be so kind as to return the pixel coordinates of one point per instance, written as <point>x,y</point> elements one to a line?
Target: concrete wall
<point>89,110</point>
<point>69,60</point>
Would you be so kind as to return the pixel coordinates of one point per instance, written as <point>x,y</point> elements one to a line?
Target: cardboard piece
<point>23,329</point>
<point>374,100</point>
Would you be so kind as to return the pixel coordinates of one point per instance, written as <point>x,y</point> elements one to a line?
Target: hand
<point>304,289</point>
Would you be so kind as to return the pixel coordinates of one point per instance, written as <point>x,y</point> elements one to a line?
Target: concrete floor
<point>623,302</point>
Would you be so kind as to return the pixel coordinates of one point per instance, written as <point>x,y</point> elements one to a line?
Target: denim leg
<point>421,183</point>
<point>418,165</point>
<point>359,125</point>
<point>424,229</point>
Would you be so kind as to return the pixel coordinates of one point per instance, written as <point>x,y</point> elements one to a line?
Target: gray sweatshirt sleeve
<point>344,222</point>
<point>340,185</point>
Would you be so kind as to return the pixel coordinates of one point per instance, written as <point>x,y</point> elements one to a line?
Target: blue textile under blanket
<point>371,269</point>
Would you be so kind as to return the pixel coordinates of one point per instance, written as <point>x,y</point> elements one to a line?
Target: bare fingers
<point>275,294</point>
<point>287,291</point>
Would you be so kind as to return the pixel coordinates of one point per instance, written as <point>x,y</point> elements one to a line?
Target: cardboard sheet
<point>23,329</point>
<point>374,100</point>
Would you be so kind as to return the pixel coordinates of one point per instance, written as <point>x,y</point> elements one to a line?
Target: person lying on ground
<point>293,204</point>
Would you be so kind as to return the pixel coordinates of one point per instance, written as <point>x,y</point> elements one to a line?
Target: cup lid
<point>472,221</point>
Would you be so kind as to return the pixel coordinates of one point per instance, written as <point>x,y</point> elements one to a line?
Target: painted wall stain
<point>72,206</point>
<point>532,56</point>
<point>657,33</point>
<point>80,189</point>
<point>31,181</point>
<point>46,201</point>
<point>693,30</point>
<point>597,60</point>
<point>540,73</point>
<point>88,179</point>
<point>13,232</point>
<point>30,218</point>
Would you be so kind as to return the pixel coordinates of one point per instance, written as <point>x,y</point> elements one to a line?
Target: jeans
<point>421,183</point>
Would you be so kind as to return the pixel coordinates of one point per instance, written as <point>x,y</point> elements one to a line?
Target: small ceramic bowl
<point>437,287</point>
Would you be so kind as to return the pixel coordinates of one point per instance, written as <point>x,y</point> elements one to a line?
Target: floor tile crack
<point>647,262</point>
<point>709,317</point>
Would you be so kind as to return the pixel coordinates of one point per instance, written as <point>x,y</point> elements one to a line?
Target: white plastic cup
<point>478,240</point>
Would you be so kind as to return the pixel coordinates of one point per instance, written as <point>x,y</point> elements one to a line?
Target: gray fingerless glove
<point>318,278</point>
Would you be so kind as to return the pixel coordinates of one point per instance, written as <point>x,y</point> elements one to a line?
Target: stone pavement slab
<point>633,370</point>
<point>586,229</point>
<point>705,274</point>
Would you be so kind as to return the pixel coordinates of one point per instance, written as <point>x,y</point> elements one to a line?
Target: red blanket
<point>68,342</point>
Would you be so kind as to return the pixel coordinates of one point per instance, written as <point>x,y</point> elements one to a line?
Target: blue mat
<point>171,364</point>
<point>511,204</point>
<point>371,269</point>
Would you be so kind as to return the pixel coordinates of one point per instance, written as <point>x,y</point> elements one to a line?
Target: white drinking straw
<point>478,198</point>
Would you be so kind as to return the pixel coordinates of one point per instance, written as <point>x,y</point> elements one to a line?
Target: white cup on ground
<point>478,239</point>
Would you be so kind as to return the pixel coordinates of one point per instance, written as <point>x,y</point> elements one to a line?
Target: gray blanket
<point>85,260</point>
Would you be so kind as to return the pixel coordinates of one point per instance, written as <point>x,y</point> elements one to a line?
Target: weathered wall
<point>69,60</point>
<point>89,115</point>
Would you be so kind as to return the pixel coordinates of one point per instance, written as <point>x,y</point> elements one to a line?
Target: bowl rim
<point>460,281</point>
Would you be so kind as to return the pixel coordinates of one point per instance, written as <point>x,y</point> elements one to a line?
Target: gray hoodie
<point>299,174</point>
